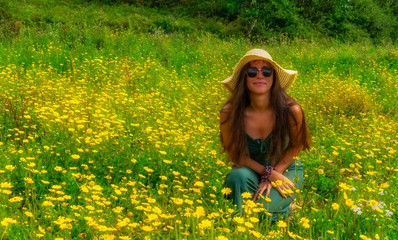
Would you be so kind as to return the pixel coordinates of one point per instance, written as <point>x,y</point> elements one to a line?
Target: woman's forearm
<point>253,165</point>
<point>287,159</point>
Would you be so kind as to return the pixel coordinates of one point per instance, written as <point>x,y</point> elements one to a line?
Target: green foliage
<point>277,20</point>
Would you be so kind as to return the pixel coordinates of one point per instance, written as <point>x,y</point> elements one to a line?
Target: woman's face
<point>261,82</point>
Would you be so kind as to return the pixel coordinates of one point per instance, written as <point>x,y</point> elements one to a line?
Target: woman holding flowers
<point>263,129</point>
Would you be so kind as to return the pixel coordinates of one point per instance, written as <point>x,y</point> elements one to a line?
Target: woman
<point>263,129</point>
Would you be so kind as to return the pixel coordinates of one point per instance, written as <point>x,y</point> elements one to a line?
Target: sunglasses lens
<point>252,72</point>
<point>267,72</point>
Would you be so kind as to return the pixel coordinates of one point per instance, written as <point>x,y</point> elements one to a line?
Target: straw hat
<point>284,76</point>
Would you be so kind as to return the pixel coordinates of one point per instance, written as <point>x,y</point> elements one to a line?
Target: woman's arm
<point>295,147</point>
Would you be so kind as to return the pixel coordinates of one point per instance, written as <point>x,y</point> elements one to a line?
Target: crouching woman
<point>263,130</point>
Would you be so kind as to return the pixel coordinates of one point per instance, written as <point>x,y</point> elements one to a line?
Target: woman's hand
<point>262,187</point>
<point>281,183</point>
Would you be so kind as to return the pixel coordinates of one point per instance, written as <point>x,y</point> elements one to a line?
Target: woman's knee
<point>242,175</point>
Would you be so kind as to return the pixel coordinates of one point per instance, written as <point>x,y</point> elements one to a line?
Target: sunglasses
<point>253,71</point>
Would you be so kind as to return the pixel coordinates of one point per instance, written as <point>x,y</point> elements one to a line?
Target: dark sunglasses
<point>253,71</point>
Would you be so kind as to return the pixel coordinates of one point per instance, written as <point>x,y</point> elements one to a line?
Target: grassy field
<point>115,135</point>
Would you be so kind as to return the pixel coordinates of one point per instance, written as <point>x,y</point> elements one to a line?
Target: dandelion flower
<point>282,224</point>
<point>305,222</point>
<point>226,191</point>
<point>246,195</point>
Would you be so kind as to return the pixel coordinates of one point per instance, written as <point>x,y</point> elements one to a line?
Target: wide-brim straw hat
<point>285,77</point>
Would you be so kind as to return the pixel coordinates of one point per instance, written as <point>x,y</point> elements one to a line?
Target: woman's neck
<point>260,103</point>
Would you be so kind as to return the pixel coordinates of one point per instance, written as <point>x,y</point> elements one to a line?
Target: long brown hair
<point>281,102</point>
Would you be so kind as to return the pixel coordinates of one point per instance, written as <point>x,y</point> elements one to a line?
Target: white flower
<point>381,193</point>
<point>353,189</point>
<point>357,210</point>
<point>388,213</point>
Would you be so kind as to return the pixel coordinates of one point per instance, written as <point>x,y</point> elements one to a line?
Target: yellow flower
<point>364,237</point>
<point>32,164</point>
<point>226,191</point>
<point>305,222</point>
<point>124,238</point>
<point>241,229</point>
<point>163,177</point>
<point>58,168</point>
<point>118,209</point>
<point>6,185</point>
<point>246,195</point>
<point>320,171</point>
<point>335,206</point>
<point>48,203</point>
<point>147,228</point>
<point>344,186</point>
<point>15,199</point>
<point>221,238</point>
<point>254,219</point>
<point>29,214</point>
<point>278,182</point>
<point>249,224</point>
<point>199,184</point>
<point>28,180</point>
<point>177,201</point>
<point>372,203</point>
<point>384,185</point>
<point>75,156</point>
<point>239,220</point>
<point>204,224</point>
<point>282,224</point>
<point>10,167</point>
<point>349,202</point>
<point>8,221</point>
<point>200,211</point>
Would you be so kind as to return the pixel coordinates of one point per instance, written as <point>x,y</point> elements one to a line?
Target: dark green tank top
<point>259,149</point>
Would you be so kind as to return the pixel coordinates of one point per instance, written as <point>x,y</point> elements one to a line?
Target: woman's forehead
<point>260,62</point>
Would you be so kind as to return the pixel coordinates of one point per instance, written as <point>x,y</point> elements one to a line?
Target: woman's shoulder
<point>225,111</point>
<point>295,108</point>
<point>296,115</point>
<point>227,108</point>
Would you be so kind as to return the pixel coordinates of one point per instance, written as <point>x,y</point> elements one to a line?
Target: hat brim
<point>285,77</point>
